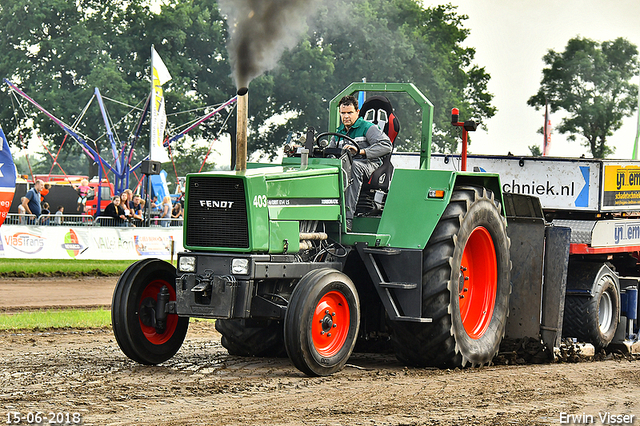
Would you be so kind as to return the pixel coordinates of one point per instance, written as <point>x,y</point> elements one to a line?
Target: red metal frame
<point>587,249</point>
<point>454,121</point>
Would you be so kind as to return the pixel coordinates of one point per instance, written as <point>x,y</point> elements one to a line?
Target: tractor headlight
<point>187,264</point>
<point>240,266</point>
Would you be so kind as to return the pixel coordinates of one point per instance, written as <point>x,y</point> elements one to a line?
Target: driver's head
<point>348,110</point>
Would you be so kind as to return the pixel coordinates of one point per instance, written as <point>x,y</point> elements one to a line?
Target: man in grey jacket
<point>373,144</point>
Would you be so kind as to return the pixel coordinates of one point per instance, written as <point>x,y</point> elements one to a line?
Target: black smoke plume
<point>260,31</point>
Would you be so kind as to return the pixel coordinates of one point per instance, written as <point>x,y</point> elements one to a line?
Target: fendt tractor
<point>428,266</point>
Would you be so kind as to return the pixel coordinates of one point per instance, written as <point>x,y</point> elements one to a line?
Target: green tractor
<point>426,267</point>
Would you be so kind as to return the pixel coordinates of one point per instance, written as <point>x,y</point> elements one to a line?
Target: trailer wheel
<point>594,319</point>
<point>322,321</point>
<point>465,286</point>
<point>243,340</point>
<point>133,314</point>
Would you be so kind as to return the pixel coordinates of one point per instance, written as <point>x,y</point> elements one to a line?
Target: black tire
<point>139,284</point>
<point>472,218</point>
<point>322,321</point>
<point>243,340</point>
<point>594,319</point>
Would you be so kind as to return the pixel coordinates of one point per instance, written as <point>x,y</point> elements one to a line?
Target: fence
<point>86,220</point>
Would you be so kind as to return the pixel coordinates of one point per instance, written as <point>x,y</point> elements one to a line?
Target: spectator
<point>44,217</point>
<point>31,201</point>
<point>137,209</point>
<point>114,211</point>
<point>125,205</point>
<point>22,211</point>
<point>154,204</point>
<point>166,211</point>
<point>129,198</point>
<point>176,212</point>
<point>59,212</point>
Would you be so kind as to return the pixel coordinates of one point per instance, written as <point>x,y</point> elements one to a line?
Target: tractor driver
<point>373,143</point>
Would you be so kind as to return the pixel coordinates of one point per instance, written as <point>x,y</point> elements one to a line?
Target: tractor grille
<point>217,213</point>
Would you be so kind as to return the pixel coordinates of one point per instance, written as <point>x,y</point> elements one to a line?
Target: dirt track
<point>85,372</point>
<point>39,293</point>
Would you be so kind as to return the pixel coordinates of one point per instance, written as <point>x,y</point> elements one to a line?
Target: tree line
<point>59,51</point>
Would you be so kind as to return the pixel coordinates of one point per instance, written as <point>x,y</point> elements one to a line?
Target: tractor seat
<point>379,111</point>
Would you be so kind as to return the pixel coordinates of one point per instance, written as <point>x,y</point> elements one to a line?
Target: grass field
<point>66,318</point>
<point>61,267</point>
<point>56,319</point>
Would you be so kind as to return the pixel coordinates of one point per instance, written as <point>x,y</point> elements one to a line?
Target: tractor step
<point>399,286</point>
<point>411,319</point>
<point>381,250</point>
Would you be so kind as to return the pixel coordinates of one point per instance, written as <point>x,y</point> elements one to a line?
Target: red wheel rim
<point>330,324</point>
<point>152,335</point>
<point>478,283</point>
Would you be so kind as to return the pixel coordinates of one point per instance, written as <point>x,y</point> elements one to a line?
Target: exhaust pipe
<point>241,125</point>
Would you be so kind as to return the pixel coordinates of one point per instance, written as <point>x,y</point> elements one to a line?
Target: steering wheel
<point>340,135</point>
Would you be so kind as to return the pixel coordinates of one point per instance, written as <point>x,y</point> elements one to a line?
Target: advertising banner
<point>621,187</point>
<point>563,184</point>
<point>616,233</point>
<point>89,242</point>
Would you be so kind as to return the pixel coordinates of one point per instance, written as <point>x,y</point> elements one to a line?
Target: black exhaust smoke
<point>260,31</point>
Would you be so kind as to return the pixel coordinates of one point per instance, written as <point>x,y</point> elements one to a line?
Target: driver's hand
<point>351,148</point>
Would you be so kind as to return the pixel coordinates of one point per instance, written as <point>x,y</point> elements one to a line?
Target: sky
<point>511,37</point>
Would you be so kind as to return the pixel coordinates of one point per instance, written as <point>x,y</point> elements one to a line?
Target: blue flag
<point>7,177</point>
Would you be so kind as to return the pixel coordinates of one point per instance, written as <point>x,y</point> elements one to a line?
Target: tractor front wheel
<point>322,321</point>
<point>142,334</point>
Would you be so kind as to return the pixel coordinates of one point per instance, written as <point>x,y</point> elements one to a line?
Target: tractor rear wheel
<point>322,321</point>
<point>241,339</point>
<point>465,286</point>
<point>133,313</point>
<point>594,318</point>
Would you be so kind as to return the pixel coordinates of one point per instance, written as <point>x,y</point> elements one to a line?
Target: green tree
<point>58,51</point>
<point>535,150</point>
<point>591,82</point>
<point>380,40</point>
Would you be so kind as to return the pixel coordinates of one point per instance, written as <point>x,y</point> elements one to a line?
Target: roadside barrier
<point>87,220</point>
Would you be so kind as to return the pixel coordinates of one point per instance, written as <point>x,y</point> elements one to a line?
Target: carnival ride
<point>121,166</point>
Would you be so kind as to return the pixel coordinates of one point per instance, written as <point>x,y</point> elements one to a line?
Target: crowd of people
<point>126,209</point>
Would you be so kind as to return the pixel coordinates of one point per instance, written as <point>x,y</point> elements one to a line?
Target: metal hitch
<point>161,314</point>
<point>153,313</point>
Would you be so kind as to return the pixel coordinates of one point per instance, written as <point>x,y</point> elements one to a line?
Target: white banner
<point>90,242</point>
<point>159,76</point>
<point>568,184</point>
<point>616,233</point>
